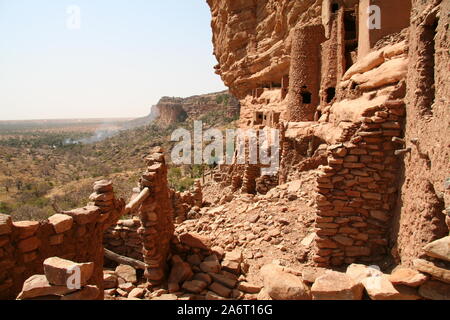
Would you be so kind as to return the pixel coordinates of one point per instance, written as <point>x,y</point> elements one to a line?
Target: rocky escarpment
<point>171,109</point>
<point>252,39</point>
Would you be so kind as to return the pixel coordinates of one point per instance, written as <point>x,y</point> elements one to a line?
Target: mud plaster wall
<point>419,219</point>
<point>305,73</point>
<point>394,17</point>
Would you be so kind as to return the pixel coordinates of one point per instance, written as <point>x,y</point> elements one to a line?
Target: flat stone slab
<point>61,222</point>
<point>84,215</point>
<point>408,277</point>
<point>336,286</point>
<point>430,268</point>
<point>38,286</point>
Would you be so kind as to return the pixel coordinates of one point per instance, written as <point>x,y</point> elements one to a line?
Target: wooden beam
<point>136,202</point>
<point>124,260</point>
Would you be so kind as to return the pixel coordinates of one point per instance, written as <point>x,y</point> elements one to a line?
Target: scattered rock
<point>109,281</point>
<point>195,241</point>
<point>408,277</point>
<point>359,272</point>
<point>194,286</point>
<point>281,285</point>
<point>127,273</point>
<point>336,286</point>
<point>435,290</point>
<point>248,287</point>
<point>439,249</point>
<point>433,270</point>
<point>136,293</point>
<point>220,289</point>
<point>380,288</point>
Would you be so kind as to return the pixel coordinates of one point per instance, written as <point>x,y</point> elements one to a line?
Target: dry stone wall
<point>357,190</point>
<point>75,235</point>
<point>156,215</point>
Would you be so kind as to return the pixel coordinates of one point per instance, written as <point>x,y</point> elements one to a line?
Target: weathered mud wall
<point>419,218</point>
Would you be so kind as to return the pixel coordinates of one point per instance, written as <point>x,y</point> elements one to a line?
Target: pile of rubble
<point>357,283</point>
<point>278,225</point>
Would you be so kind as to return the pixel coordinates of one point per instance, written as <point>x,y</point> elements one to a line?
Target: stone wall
<point>187,204</point>
<point>75,235</point>
<point>357,190</point>
<point>156,215</point>
<point>124,239</point>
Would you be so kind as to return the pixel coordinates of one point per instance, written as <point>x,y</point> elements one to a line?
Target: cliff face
<point>252,39</point>
<point>171,110</point>
<point>319,73</point>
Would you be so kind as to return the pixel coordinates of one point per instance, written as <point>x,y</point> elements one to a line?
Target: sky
<point>64,59</point>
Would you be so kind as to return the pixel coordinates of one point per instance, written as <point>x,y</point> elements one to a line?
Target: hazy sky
<point>123,58</point>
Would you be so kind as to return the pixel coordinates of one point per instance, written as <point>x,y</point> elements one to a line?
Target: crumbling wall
<point>419,218</point>
<point>156,215</point>
<point>123,239</point>
<point>75,235</point>
<point>186,205</point>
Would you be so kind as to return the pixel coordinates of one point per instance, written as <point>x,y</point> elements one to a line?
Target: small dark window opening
<point>260,116</point>
<point>334,7</point>
<point>331,93</point>
<point>306,97</point>
<point>350,25</point>
<point>429,37</point>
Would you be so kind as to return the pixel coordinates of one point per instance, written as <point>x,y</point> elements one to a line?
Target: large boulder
<point>280,285</point>
<point>181,271</point>
<point>408,277</point>
<point>380,288</point>
<point>194,240</point>
<point>359,272</point>
<point>439,249</point>
<point>58,271</point>
<point>336,286</point>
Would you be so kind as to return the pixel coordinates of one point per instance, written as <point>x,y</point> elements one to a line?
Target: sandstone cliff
<point>252,39</point>
<point>171,109</point>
